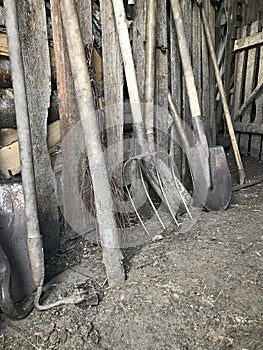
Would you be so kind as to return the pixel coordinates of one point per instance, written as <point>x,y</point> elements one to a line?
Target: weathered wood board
<point>161,89</point>
<point>248,67</point>
<point>113,91</point>
<point>9,151</point>
<point>35,53</point>
<point>76,216</point>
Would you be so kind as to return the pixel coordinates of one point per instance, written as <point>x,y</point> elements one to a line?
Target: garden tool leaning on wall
<point>155,167</point>
<point>211,49</point>
<point>209,169</point>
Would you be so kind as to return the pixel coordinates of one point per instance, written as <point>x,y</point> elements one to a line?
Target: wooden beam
<point>36,60</point>
<point>113,91</point>
<point>248,42</point>
<point>251,128</point>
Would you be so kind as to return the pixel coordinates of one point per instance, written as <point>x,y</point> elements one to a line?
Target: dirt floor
<point>196,290</point>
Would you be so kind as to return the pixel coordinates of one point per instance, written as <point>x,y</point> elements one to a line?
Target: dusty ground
<point>197,290</point>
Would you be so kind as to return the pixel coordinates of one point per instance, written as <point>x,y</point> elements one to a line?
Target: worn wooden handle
<point>127,58</point>
<point>185,58</point>
<point>223,97</point>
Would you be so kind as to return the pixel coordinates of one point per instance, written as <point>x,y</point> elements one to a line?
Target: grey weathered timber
<point>84,12</point>
<point>186,7</point>
<point>108,231</point>
<point>248,128</point>
<point>113,91</point>
<point>176,90</point>
<point>76,216</point>
<point>205,102</point>
<point>35,53</point>
<point>212,122</point>
<point>248,42</point>
<point>138,45</point>
<point>161,88</point>
<point>239,75</point>
<point>249,86</point>
<point>257,141</point>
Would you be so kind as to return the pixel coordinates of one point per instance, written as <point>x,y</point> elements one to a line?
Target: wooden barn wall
<point>240,71</point>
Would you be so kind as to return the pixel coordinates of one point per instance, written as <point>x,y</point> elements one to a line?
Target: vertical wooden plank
<point>138,45</point>
<point>113,90</point>
<point>83,8</point>
<point>76,215</point>
<point>35,52</point>
<point>205,102</point>
<point>249,85</point>
<point>256,140</point>
<point>161,89</point>
<point>186,7</point>
<point>196,49</point>
<point>176,89</point>
<point>212,122</point>
<point>240,71</point>
<point>231,22</point>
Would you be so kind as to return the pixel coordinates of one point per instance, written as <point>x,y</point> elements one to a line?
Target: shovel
<point>221,88</point>
<point>208,166</point>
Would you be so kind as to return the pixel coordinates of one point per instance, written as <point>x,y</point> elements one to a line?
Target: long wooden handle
<point>186,61</point>
<point>223,97</point>
<point>127,58</point>
<point>112,255</point>
<point>150,69</point>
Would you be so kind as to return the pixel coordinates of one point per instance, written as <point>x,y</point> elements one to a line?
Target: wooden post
<point>35,53</point>
<point>161,90</point>
<point>113,91</point>
<point>112,255</point>
<point>76,215</point>
<point>176,75</point>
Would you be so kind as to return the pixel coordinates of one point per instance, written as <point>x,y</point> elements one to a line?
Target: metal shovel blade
<point>219,194</point>
<point>212,184</point>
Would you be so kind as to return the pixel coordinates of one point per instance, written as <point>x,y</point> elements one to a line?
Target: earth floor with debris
<point>197,290</point>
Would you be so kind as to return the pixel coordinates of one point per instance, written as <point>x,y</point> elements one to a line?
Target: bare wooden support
<point>249,86</point>
<point>138,45</point>
<point>76,216</point>
<point>161,89</point>
<point>36,61</point>
<point>34,240</point>
<point>113,92</point>
<point>112,256</point>
<point>176,91</point>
